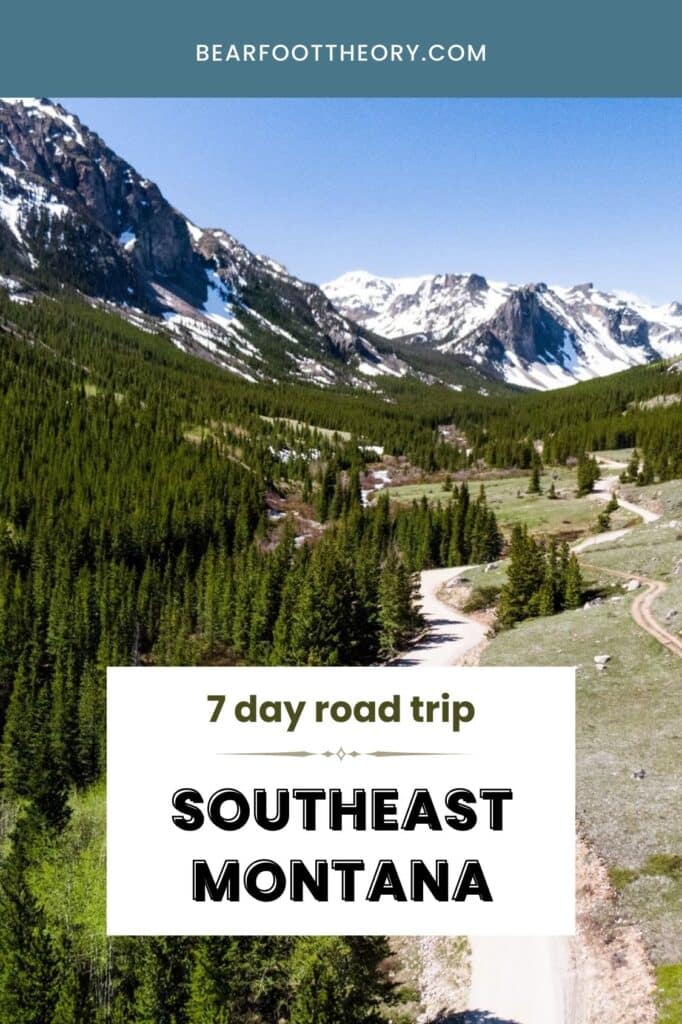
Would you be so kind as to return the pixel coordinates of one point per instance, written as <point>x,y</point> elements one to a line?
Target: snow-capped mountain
<point>428,308</point>
<point>74,213</point>
<point>534,336</point>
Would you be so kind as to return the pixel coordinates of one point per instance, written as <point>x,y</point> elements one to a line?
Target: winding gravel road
<point>513,980</point>
<point>449,634</point>
<point>641,608</point>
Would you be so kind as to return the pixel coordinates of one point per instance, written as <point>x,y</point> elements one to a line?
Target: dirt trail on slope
<point>642,612</point>
<point>612,979</point>
<point>603,490</point>
<point>641,608</point>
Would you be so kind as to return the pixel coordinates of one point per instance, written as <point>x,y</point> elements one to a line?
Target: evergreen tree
<point>646,474</point>
<point>397,616</point>
<point>588,474</point>
<point>612,504</point>
<point>29,972</point>
<point>631,472</point>
<point>331,985</point>
<point>603,521</point>
<point>519,597</point>
<point>574,583</point>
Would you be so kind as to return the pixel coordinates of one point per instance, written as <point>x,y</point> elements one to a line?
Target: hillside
<point>74,213</point>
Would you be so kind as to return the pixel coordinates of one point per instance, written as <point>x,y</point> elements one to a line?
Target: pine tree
<point>396,605</point>
<point>550,592</point>
<point>631,472</point>
<point>29,972</point>
<point>646,474</point>
<point>574,583</point>
<point>588,473</point>
<point>603,521</point>
<point>519,597</point>
<point>325,492</point>
<point>335,984</point>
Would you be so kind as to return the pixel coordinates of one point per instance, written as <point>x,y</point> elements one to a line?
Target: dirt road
<point>521,981</point>
<point>642,612</point>
<point>604,488</point>
<point>642,607</point>
<point>513,980</point>
<point>449,634</point>
<point>603,491</point>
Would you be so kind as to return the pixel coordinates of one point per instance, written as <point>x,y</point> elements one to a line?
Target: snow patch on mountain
<point>217,305</point>
<point>127,239</point>
<point>532,336</point>
<point>430,305</point>
<point>44,108</point>
<point>18,199</point>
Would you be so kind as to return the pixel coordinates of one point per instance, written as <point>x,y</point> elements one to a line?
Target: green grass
<point>563,515</point>
<point>615,454</point>
<point>480,598</point>
<point>628,717</point>
<point>344,435</point>
<point>476,576</point>
<point>508,497</point>
<point>405,493</point>
<point>658,865</point>
<point>648,550</point>
<point>92,390</point>
<point>669,984</point>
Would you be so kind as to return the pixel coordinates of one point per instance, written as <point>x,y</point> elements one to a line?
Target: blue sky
<point>563,191</point>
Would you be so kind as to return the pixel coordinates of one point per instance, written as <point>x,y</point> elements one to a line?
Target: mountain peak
<point>45,108</point>
<point>75,213</point>
<point>532,335</point>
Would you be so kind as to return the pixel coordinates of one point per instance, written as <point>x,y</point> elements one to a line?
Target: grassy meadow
<point>629,717</point>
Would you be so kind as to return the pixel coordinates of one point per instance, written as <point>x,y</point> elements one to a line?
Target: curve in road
<point>448,634</point>
<point>642,607</point>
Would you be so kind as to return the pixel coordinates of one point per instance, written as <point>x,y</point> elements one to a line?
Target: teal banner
<point>355,48</point>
